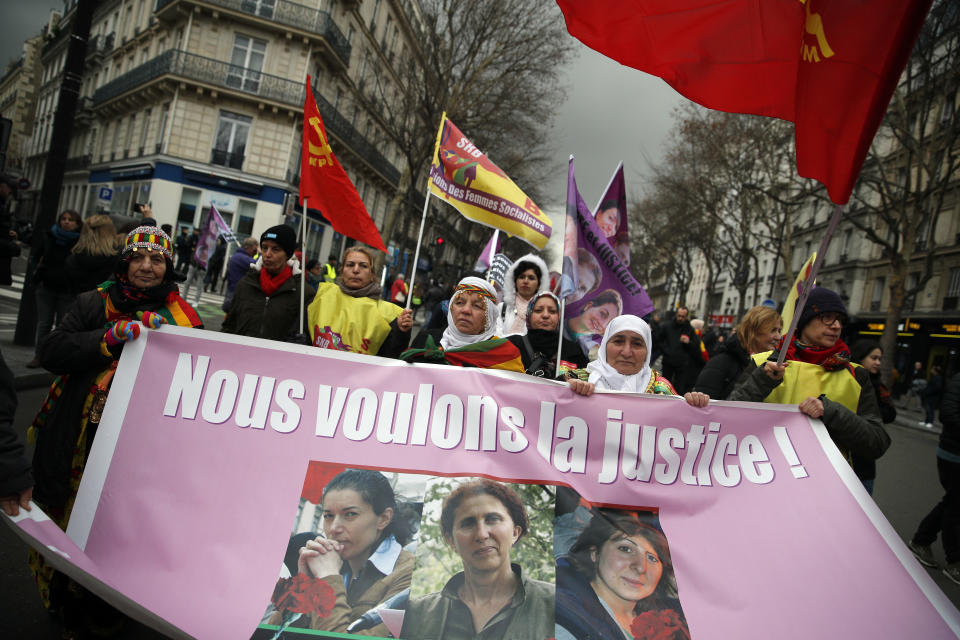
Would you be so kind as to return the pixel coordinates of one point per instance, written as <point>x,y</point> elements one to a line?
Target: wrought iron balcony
<point>224,158</point>
<point>215,73</point>
<point>287,13</point>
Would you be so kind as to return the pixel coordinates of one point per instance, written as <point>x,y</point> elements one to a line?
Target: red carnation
<point>304,594</point>
<point>659,625</point>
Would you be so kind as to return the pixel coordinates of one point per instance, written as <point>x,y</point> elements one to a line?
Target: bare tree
<point>912,167</point>
<point>494,68</point>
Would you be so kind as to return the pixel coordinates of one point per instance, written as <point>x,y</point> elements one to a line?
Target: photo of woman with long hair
<point>616,580</point>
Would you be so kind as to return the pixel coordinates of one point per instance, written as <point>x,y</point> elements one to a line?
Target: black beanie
<point>819,301</point>
<point>284,236</point>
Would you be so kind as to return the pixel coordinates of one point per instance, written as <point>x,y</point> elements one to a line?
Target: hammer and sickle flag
<point>828,66</point>
<point>326,185</point>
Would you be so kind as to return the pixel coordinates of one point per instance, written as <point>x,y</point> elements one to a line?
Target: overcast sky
<point>612,112</point>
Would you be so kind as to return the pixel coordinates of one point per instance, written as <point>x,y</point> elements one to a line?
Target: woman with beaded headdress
<point>83,350</point>
<point>468,340</point>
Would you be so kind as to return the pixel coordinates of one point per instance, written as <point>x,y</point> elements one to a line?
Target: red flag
<point>327,185</point>
<point>829,67</point>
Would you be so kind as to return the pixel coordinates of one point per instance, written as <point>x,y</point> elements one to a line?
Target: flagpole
<point>607,188</point>
<point>416,255</point>
<point>563,307</point>
<point>303,254</point>
<point>423,217</point>
<point>802,300</point>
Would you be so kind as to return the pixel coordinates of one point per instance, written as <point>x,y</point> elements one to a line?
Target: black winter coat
<point>950,416</point>
<point>675,353</point>
<point>724,370</point>
<point>51,264</point>
<point>87,271</point>
<point>72,349</point>
<point>254,314</point>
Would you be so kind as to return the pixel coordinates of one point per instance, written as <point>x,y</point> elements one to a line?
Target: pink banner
<point>201,465</point>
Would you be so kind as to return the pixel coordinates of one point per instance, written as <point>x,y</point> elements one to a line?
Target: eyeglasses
<point>830,317</point>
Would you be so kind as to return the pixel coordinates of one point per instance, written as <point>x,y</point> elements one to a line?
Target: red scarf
<point>832,359</point>
<point>269,284</point>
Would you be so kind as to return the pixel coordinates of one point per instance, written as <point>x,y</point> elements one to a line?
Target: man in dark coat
<point>9,248</point>
<point>680,345</point>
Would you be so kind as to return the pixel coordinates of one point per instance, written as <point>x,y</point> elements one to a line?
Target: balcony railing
<point>224,158</point>
<point>265,86</point>
<point>290,14</point>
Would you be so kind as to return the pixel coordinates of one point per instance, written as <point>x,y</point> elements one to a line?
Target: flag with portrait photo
<point>463,177</point>
<point>611,215</point>
<point>327,186</point>
<point>605,287</point>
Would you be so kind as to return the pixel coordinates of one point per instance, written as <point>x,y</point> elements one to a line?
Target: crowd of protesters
<point>97,290</point>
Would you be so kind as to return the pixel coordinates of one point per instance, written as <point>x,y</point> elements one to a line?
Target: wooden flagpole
<point>802,300</point>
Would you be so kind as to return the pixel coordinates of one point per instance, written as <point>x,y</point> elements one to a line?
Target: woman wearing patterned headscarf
<point>468,340</point>
<point>83,350</point>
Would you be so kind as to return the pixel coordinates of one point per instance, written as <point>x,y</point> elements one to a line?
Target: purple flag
<point>490,250</point>
<point>213,227</point>
<point>605,288</point>
<point>611,215</point>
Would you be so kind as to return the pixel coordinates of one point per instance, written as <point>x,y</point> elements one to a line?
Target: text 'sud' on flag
<point>326,185</point>
<point>829,67</point>
<point>466,179</point>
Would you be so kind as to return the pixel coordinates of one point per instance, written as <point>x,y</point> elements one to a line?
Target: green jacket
<point>442,616</point>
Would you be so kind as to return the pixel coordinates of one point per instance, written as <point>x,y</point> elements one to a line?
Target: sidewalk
<point>913,417</point>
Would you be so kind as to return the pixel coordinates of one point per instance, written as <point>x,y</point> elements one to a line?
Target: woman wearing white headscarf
<point>525,278</point>
<point>468,340</point>
<point>623,364</point>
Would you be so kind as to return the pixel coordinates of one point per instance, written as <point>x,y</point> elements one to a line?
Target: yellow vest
<point>802,380</point>
<point>345,323</point>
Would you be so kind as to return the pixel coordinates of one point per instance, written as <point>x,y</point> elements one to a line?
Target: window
<point>188,207</point>
<point>953,290</point>
<point>231,140</point>
<point>246,62</point>
<point>878,286</point>
<point>143,133</point>
<point>164,114</point>
<point>246,212</point>
<point>258,7</point>
<point>910,299</point>
<point>129,138</point>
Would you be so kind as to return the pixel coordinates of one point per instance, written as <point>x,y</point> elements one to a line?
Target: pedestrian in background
<point>399,290</point>
<point>54,292</point>
<point>867,353</point>
<point>215,266</point>
<point>944,518</point>
<point>183,249</point>
<point>681,351</point>
<point>93,260</point>
<point>758,331</point>
<point>9,247</point>
<point>238,265</point>
<point>931,395</point>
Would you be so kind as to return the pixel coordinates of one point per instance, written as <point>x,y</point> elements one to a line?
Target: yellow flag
<point>466,179</point>
<point>790,305</point>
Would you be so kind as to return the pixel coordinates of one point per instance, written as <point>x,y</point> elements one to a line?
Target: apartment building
<point>188,103</point>
<point>18,100</point>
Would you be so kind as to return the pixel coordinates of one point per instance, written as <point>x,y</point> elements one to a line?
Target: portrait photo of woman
<point>353,550</point>
<point>615,581</point>
<point>499,552</point>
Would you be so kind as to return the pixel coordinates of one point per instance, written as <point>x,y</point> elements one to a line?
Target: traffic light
<point>438,241</point>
